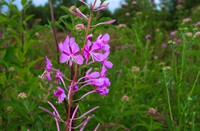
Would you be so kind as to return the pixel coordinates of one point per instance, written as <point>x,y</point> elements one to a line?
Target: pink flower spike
<point>105,23</point>
<point>60,93</point>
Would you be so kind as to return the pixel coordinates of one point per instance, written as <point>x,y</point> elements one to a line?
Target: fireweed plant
<point>92,52</point>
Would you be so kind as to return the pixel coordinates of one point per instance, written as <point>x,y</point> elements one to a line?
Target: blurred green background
<point>154,82</point>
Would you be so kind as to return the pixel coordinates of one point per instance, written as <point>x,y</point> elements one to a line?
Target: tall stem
<point>76,71</point>
<point>53,30</point>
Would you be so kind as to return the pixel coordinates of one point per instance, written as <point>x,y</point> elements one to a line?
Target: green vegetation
<point>154,82</point>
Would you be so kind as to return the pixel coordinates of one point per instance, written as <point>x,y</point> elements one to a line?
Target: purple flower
<point>75,87</point>
<point>60,94</point>
<point>48,64</point>
<point>107,63</point>
<point>148,37</point>
<point>172,33</point>
<point>70,52</point>
<point>92,75</point>
<point>93,50</point>
<point>102,42</point>
<point>100,82</point>
<point>98,50</point>
<point>48,69</point>
<point>59,75</point>
<point>103,72</point>
<point>178,41</point>
<point>102,90</point>
<point>164,45</point>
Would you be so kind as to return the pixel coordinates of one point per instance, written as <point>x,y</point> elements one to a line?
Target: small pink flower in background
<point>134,3</point>
<point>178,41</point>
<point>124,4</point>
<point>148,36</point>
<point>189,34</point>
<point>197,24</point>
<point>186,20</point>
<point>127,14</point>
<point>70,52</point>
<point>125,98</point>
<point>197,33</point>
<point>60,94</point>
<point>3,69</point>
<point>164,45</point>
<point>173,33</point>
<point>135,69</point>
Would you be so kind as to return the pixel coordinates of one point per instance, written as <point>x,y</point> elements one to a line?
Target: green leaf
<point>28,18</point>
<point>10,53</point>
<point>23,2</point>
<point>19,55</point>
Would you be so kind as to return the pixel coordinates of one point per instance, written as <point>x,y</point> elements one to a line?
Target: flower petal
<point>79,59</point>
<point>63,58</point>
<point>107,64</point>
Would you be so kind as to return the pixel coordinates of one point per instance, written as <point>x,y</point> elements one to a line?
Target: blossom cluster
<point>94,51</point>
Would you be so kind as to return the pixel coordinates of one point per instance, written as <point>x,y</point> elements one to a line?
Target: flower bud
<point>79,27</point>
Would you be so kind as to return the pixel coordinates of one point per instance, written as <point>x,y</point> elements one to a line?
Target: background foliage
<point>154,81</point>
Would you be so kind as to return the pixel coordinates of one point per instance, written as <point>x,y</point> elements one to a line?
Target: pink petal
<point>61,48</point>
<point>107,64</point>
<point>70,62</point>
<point>48,75</point>
<point>98,57</point>
<point>63,58</point>
<point>75,48</point>
<point>79,59</point>
<point>94,75</point>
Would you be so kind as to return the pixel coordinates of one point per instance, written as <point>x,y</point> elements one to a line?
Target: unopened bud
<point>79,27</point>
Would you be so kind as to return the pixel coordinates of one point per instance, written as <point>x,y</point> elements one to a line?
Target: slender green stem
<point>168,95</point>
